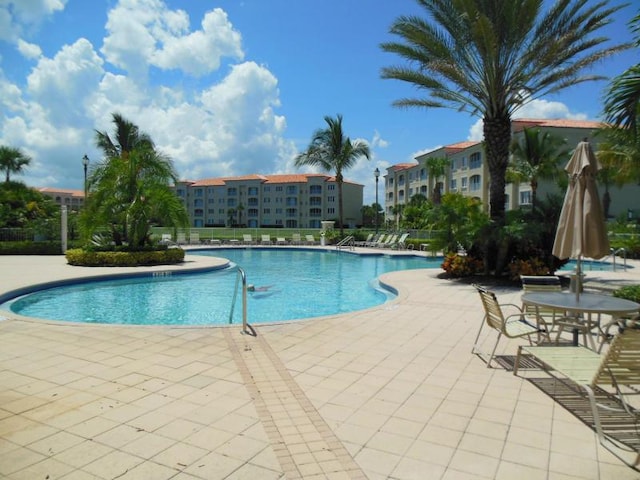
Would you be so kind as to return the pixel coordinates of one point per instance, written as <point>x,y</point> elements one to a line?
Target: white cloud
<point>17,14</point>
<point>29,50</point>
<point>378,141</point>
<point>143,33</point>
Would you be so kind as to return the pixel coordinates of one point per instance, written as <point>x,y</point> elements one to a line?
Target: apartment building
<point>468,172</point>
<point>73,199</point>
<point>288,201</point>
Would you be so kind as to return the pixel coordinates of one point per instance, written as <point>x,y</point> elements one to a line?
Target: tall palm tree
<point>437,167</point>
<point>12,160</point>
<point>331,150</point>
<point>536,157</point>
<point>130,188</point>
<point>490,57</point>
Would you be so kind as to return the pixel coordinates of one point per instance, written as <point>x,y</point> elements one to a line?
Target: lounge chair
<point>390,240</point>
<point>514,325</point>
<point>401,243</point>
<point>379,241</point>
<point>608,380</point>
<point>309,240</point>
<point>363,243</point>
<point>181,239</point>
<point>265,240</point>
<point>374,240</point>
<point>281,241</point>
<point>194,238</point>
<point>247,239</point>
<point>166,239</point>
<point>295,239</point>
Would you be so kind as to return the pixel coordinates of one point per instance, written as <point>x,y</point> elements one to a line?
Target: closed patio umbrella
<point>581,229</point>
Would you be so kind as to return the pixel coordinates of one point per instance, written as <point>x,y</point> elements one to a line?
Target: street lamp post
<point>376,173</point>
<point>85,164</point>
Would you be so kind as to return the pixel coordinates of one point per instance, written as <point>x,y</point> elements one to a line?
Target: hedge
<point>31,248</point>
<point>84,258</point>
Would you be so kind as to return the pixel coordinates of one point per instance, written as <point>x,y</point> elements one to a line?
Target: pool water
<point>291,284</point>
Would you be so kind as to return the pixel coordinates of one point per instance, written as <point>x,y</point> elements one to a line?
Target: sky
<point>228,87</point>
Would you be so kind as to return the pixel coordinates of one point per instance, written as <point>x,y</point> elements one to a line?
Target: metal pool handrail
<point>243,276</point>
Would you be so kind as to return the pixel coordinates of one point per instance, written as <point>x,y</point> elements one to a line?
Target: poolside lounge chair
<point>247,239</point>
<point>363,243</point>
<point>384,242</point>
<point>513,325</point>
<point>401,243</point>
<point>181,239</point>
<point>374,240</point>
<point>310,240</point>
<point>608,381</point>
<point>281,241</point>
<point>378,241</point>
<point>166,239</point>
<point>391,242</point>
<point>194,238</point>
<point>265,240</point>
<point>295,239</point>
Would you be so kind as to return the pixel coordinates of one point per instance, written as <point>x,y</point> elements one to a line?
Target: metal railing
<point>347,242</point>
<point>241,278</point>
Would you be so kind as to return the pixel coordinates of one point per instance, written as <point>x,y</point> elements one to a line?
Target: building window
<point>198,202</point>
<point>198,192</point>
<point>252,191</point>
<point>315,212</point>
<point>453,185</point>
<point>475,160</point>
<point>331,199</point>
<point>463,183</point>
<point>266,188</point>
<point>252,202</point>
<point>475,183</point>
<point>231,202</point>
<point>315,190</point>
<point>423,174</point>
<point>232,192</point>
<point>331,211</point>
<point>525,198</point>
<point>292,212</point>
<point>314,201</point>
<point>292,190</point>
<point>278,188</point>
<point>252,212</point>
<point>266,211</point>
<point>331,187</point>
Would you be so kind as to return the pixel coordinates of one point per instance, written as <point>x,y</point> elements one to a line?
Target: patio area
<point>392,392</point>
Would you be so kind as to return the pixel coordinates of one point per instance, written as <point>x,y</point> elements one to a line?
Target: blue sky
<point>226,87</point>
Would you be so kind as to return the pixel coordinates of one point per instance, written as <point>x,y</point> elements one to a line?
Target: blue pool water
<point>300,284</point>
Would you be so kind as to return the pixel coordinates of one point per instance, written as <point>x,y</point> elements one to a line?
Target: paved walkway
<point>391,392</point>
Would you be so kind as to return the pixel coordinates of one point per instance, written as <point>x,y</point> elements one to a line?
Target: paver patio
<point>391,392</point>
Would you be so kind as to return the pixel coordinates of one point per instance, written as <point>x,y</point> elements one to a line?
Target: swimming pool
<point>299,284</point>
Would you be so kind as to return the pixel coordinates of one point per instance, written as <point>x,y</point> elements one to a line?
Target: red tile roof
<point>64,191</point>
<point>519,124</point>
<point>278,178</point>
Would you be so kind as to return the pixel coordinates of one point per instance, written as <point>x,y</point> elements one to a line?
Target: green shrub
<point>86,258</point>
<point>532,266</point>
<point>31,248</point>
<point>630,292</point>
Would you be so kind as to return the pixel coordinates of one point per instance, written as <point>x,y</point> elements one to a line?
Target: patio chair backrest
<point>540,283</point>
<point>621,362</point>
<point>493,313</point>
<point>247,237</point>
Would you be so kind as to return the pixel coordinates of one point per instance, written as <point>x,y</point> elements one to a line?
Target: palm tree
<point>622,112</point>
<point>332,151</point>
<point>12,160</point>
<point>130,189</point>
<point>490,57</point>
<point>437,167</point>
<point>535,158</point>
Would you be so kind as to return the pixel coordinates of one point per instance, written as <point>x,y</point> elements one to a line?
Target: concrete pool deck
<point>392,392</point>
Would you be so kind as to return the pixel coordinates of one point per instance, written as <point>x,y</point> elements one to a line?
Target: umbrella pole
<point>578,277</point>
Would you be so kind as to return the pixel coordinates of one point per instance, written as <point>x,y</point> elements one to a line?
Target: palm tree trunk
<point>497,134</point>
<point>340,210</point>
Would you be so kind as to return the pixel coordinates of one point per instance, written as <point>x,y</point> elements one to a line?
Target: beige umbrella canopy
<point>581,229</point>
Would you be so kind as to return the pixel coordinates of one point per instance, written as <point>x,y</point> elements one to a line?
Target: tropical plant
<point>129,189</point>
<point>332,151</point>
<point>24,207</point>
<point>437,168</point>
<point>491,57</point>
<point>12,160</point>
<point>535,158</point>
<point>456,222</point>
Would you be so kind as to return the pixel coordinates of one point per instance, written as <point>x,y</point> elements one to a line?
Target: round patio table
<point>586,303</point>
